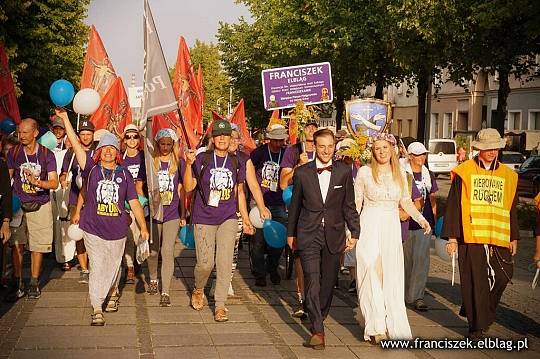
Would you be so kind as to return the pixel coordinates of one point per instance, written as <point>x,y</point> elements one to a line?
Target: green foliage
<point>215,79</point>
<point>44,41</point>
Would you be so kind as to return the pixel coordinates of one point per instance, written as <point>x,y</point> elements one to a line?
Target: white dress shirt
<point>324,178</point>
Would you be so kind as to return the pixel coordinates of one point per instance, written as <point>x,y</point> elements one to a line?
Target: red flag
<point>238,117</point>
<point>98,72</point>
<point>293,137</point>
<point>114,112</point>
<point>186,88</point>
<point>201,86</point>
<point>172,120</point>
<point>8,100</point>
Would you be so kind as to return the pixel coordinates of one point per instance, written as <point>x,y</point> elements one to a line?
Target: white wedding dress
<point>379,253</point>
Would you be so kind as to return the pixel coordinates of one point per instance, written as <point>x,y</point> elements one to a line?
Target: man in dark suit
<point>322,203</point>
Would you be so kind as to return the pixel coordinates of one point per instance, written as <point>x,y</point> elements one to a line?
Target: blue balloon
<point>15,204</point>
<point>438,227</point>
<point>7,125</point>
<point>187,236</point>
<point>287,195</point>
<point>275,233</point>
<point>61,92</point>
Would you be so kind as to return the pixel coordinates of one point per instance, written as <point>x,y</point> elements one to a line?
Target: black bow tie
<point>322,169</point>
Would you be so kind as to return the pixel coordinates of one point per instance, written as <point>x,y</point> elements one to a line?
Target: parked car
<point>529,177</point>
<point>442,157</point>
<point>512,159</point>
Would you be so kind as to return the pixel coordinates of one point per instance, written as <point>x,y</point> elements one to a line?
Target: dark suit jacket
<point>307,208</point>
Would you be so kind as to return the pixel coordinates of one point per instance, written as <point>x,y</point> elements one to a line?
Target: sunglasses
<point>132,137</point>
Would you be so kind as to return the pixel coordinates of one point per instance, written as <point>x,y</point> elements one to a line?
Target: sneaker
<point>153,287</point>
<point>344,270</point>
<point>197,299</point>
<point>15,291</point>
<point>275,278</point>
<point>352,287</point>
<point>130,275</point>
<point>84,276</point>
<point>420,305</point>
<point>260,282</point>
<point>33,291</point>
<point>165,300</point>
<point>299,312</point>
<point>220,315</point>
<point>98,319</point>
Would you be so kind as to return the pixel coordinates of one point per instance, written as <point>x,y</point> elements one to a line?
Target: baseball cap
<point>131,128</point>
<point>86,125</point>
<point>108,139</point>
<point>417,148</point>
<point>57,122</point>
<point>221,127</point>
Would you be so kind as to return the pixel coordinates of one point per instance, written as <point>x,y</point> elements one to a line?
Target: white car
<point>512,159</point>
<point>442,157</point>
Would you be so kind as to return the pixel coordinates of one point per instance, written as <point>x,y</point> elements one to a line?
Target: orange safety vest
<point>486,199</point>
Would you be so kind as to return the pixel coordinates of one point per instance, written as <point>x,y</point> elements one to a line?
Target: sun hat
<point>277,132</point>
<point>488,139</point>
<point>417,148</point>
<point>165,132</point>
<point>108,139</point>
<point>131,128</point>
<point>221,127</point>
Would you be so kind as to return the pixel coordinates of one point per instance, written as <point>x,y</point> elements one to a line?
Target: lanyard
<point>270,155</point>
<point>224,161</point>
<point>112,174</point>
<point>26,156</point>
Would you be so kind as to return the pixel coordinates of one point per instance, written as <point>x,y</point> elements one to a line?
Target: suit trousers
<point>320,275</point>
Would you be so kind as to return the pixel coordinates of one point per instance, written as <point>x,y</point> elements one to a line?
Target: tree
<point>353,35</point>
<point>215,79</point>
<point>500,37</point>
<point>44,42</point>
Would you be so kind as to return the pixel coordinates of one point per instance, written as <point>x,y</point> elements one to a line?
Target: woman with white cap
<point>103,219</point>
<point>167,166</point>
<point>133,161</point>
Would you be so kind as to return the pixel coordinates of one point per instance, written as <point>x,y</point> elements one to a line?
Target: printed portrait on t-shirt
<point>269,174</point>
<point>107,198</point>
<point>221,180</point>
<point>166,187</point>
<point>34,168</point>
<point>134,170</point>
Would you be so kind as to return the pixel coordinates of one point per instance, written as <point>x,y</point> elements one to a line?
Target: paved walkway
<point>260,326</point>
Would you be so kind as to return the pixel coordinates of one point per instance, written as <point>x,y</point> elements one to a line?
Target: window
<point>513,121</point>
<point>534,120</point>
<point>531,162</point>
<point>434,126</point>
<point>399,128</point>
<point>444,147</point>
<point>447,126</point>
<point>410,127</point>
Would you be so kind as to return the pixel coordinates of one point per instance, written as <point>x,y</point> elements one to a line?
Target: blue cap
<point>108,139</point>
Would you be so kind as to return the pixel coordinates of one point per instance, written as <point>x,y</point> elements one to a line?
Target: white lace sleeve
<point>359,184</point>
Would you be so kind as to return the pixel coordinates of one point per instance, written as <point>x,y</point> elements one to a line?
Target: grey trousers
<point>164,237</point>
<point>105,258</point>
<point>416,263</point>
<point>215,241</point>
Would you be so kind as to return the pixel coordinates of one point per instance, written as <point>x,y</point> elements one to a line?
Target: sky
<point>119,23</point>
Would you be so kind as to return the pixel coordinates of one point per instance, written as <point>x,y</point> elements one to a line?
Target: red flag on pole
<point>114,112</point>
<point>98,72</point>
<point>186,88</point>
<point>238,117</point>
<point>8,100</point>
<point>172,120</point>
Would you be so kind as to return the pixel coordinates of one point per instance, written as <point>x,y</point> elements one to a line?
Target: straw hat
<point>488,139</point>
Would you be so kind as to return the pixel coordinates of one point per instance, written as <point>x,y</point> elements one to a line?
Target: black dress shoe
<point>260,282</point>
<point>275,278</point>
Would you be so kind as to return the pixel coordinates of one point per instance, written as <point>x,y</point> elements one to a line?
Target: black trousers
<point>479,304</point>
<point>320,275</point>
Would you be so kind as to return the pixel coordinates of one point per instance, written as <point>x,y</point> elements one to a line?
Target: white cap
<point>417,148</point>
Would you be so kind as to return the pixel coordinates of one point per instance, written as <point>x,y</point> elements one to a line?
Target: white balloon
<point>255,218</point>
<point>86,101</point>
<point>440,249</point>
<point>74,232</point>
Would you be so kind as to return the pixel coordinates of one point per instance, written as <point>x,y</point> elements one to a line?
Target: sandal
<point>112,304</point>
<point>66,267</point>
<point>97,319</point>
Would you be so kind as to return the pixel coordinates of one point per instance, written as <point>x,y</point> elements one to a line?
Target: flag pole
<point>184,131</point>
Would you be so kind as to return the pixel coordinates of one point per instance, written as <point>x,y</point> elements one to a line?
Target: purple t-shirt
<point>168,191</point>
<point>41,164</point>
<point>104,214</point>
<point>135,165</point>
<point>290,154</point>
<point>415,194</point>
<point>422,189</point>
<point>220,177</point>
<point>75,171</point>
<point>267,170</point>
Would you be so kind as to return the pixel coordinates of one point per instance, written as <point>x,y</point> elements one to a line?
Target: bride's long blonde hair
<point>394,165</point>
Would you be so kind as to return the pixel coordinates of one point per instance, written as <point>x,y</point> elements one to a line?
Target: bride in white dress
<point>380,189</point>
